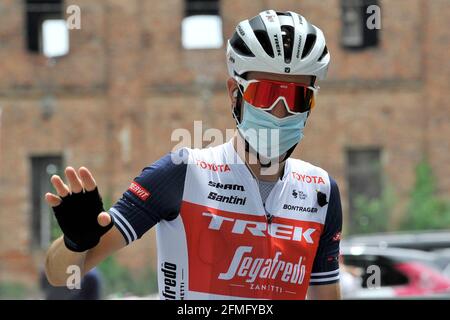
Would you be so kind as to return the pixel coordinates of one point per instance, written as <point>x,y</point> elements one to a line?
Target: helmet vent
<point>324,53</point>
<point>239,46</point>
<point>260,31</point>
<point>282,13</point>
<point>263,38</point>
<point>287,33</point>
<point>309,44</point>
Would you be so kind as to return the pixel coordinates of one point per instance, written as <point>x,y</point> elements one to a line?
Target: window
<point>364,176</point>
<point>357,29</point>
<point>43,224</point>
<point>202,26</point>
<point>46,29</point>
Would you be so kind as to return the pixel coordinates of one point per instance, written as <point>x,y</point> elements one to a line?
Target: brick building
<point>113,101</point>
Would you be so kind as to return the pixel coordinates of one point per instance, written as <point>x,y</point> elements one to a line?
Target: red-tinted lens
<point>264,93</point>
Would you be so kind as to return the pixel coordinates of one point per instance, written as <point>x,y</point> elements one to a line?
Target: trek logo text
<point>259,229</point>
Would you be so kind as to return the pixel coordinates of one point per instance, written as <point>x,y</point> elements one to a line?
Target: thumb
<point>104,219</point>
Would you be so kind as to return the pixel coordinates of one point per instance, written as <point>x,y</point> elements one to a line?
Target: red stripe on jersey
<point>235,254</point>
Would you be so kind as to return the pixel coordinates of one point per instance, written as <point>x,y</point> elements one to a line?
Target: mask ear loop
<point>237,108</point>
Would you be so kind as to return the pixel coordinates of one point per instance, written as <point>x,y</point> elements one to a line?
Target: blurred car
<point>443,260</point>
<point>420,240</point>
<point>386,273</point>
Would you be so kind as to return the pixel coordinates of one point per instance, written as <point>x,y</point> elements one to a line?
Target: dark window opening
<point>36,12</point>
<point>202,7</point>
<point>355,31</point>
<point>44,227</point>
<point>202,25</point>
<point>364,177</point>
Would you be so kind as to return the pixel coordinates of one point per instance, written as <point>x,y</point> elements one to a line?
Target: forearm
<point>57,261</point>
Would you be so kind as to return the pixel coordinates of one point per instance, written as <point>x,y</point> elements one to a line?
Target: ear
<point>232,87</point>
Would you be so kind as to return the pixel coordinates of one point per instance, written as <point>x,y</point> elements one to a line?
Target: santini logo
<point>227,199</point>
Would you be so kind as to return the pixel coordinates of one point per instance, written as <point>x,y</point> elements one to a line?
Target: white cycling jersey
<point>215,237</point>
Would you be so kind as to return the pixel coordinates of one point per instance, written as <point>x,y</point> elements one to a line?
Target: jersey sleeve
<point>326,263</point>
<point>154,195</point>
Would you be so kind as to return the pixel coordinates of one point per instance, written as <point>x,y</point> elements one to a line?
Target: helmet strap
<point>237,107</point>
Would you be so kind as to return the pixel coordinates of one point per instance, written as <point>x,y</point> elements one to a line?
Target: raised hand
<point>79,209</point>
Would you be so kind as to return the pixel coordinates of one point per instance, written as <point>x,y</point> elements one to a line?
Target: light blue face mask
<point>268,135</point>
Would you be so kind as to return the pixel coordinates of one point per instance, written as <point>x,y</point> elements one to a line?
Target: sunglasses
<point>265,94</point>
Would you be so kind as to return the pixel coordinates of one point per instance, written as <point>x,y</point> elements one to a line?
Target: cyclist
<point>239,220</point>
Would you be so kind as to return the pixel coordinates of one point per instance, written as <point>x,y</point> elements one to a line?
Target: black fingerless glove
<point>77,216</point>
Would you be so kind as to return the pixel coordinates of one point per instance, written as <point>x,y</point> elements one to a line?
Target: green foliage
<point>118,280</point>
<point>55,231</point>
<point>12,290</point>
<point>425,209</point>
<point>372,215</point>
<point>107,202</point>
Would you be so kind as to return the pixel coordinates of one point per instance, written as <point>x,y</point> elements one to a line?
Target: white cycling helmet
<point>278,42</point>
